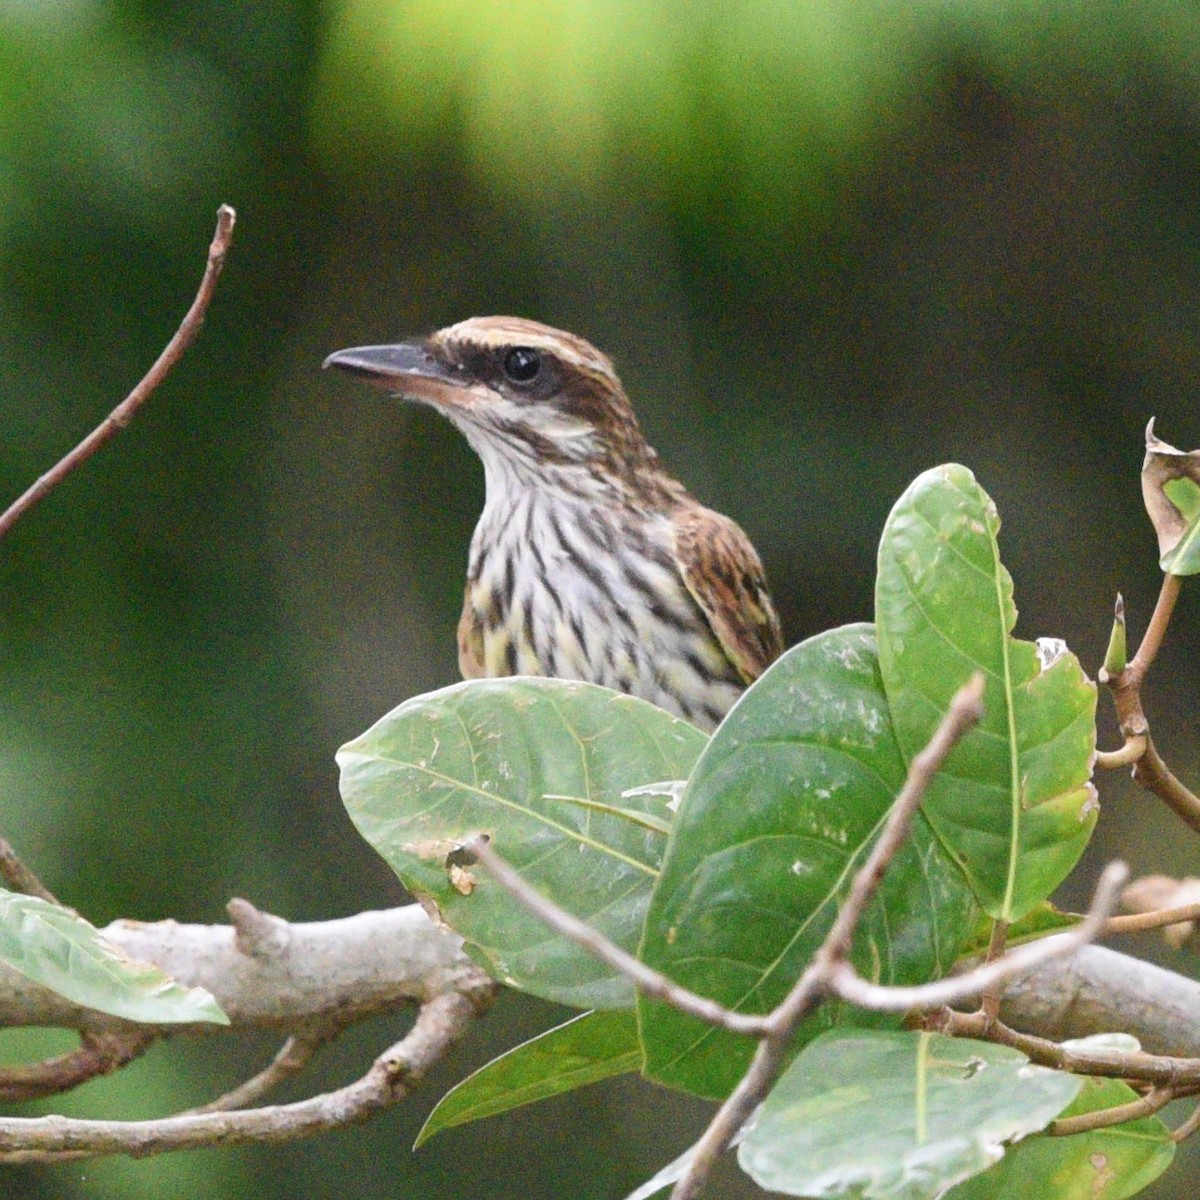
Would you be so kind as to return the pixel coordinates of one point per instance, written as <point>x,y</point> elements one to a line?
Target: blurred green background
<point>828,244</point>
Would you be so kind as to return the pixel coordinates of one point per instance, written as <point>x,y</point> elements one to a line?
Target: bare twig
<point>439,1024</point>
<point>1162,1070</point>
<point>651,982</point>
<point>1162,902</point>
<point>97,1054</point>
<point>1137,922</point>
<point>1149,769</point>
<point>1156,631</point>
<point>1111,760</point>
<point>124,412</point>
<point>730,1117</point>
<point>293,1056</point>
<point>965,711</point>
<point>1188,1127</point>
<point>1143,1106</point>
<point>850,986</point>
<point>1154,775</point>
<point>21,878</point>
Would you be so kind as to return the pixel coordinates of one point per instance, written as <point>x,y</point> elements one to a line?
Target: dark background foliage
<point>828,244</point>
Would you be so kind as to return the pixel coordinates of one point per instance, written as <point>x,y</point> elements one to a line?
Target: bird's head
<point>528,398</point>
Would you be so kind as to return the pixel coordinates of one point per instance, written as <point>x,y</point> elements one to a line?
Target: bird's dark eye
<point>522,364</point>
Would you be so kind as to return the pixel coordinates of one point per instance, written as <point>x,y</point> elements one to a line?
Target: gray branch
<point>1097,990</point>
<point>268,973</point>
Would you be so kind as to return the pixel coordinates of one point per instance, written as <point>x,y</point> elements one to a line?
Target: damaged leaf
<point>546,768</point>
<point>896,1116</point>
<point>1104,1164</point>
<point>1013,802</point>
<point>1171,491</point>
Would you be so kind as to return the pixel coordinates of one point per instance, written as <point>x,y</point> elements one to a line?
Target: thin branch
<point>965,710</point>
<point>1156,631</point>
<point>651,982</point>
<point>1188,1127</point>
<point>1154,775</point>
<point>292,1057</point>
<point>1111,760</point>
<point>97,1054</point>
<point>1162,1070</point>
<point>851,987</point>
<point>19,877</point>
<point>1148,766</point>
<point>737,1109</point>
<point>1143,1106</point>
<point>440,1023</point>
<point>1137,922</point>
<point>120,416</point>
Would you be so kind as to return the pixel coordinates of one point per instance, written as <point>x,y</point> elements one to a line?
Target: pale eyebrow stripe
<point>570,349</point>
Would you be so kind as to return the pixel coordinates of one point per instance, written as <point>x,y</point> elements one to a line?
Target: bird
<point>590,561</point>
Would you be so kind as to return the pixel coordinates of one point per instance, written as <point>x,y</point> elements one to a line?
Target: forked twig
<point>647,979</point>
<point>97,1054</point>
<point>1149,769</point>
<point>774,1030</point>
<point>829,973</point>
<point>440,1022</point>
<point>965,711</point>
<point>290,1059</point>
<point>850,986</point>
<point>120,416</point>
<point>1143,1106</point>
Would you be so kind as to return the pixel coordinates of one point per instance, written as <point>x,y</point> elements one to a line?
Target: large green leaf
<point>781,809</point>
<point>587,1049</point>
<point>1105,1164</point>
<point>1013,803</point>
<point>58,948</point>
<point>513,758</point>
<point>879,1115</point>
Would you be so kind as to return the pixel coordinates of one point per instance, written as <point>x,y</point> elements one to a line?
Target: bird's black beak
<point>408,369</point>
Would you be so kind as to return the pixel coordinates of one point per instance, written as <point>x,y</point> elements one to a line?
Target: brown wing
<point>470,640</point>
<point>723,573</point>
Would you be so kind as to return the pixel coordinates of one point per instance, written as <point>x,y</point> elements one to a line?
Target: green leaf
<point>896,1116</point>
<point>1106,1164</point>
<point>1013,802</point>
<point>485,757</point>
<point>58,948</point>
<point>587,1049</point>
<point>783,806</point>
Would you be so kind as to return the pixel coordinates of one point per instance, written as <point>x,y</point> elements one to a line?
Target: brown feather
<point>725,577</point>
